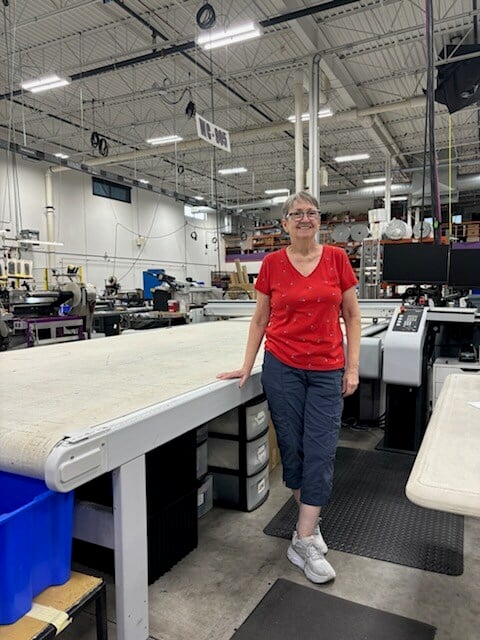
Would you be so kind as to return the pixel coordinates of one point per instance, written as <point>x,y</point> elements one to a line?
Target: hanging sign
<point>212,134</point>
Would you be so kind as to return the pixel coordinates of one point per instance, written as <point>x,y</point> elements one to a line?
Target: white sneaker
<point>304,553</point>
<point>319,541</point>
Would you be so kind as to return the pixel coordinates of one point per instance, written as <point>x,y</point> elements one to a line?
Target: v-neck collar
<point>314,268</point>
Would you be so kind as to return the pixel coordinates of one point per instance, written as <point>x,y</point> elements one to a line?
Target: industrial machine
<point>63,313</point>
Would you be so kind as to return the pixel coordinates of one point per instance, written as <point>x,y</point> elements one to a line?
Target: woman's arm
<point>353,326</point>
<point>256,332</point>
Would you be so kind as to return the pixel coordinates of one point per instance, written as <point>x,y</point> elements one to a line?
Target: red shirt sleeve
<point>346,273</point>
<point>263,281</point>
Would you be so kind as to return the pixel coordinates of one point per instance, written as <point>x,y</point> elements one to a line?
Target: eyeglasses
<point>312,214</point>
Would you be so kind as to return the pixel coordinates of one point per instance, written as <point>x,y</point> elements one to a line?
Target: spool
<point>427,230</point>
<point>397,230</point>
<point>341,233</point>
<point>359,232</point>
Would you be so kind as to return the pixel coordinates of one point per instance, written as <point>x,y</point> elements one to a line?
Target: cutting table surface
<point>446,473</point>
<point>56,391</point>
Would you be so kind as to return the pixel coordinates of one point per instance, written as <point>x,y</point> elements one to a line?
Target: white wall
<point>100,234</point>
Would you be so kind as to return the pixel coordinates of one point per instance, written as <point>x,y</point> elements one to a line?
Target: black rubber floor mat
<point>369,515</point>
<point>291,611</point>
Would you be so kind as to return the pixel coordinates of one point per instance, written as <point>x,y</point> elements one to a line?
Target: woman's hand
<point>350,382</point>
<point>242,373</point>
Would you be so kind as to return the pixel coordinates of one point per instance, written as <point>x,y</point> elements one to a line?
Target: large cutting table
<point>446,473</point>
<point>73,411</point>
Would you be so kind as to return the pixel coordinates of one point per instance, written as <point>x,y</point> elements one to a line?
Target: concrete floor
<point>210,592</point>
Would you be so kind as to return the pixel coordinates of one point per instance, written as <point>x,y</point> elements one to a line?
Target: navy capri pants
<point>306,409</point>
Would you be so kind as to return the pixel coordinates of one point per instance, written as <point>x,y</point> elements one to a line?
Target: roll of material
<point>425,232</point>
<point>397,230</point>
<point>359,232</point>
<point>341,233</point>
<point>75,291</point>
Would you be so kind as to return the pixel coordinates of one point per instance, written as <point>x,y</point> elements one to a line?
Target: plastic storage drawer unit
<point>35,542</point>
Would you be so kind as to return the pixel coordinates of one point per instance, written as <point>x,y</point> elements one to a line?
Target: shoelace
<point>314,552</point>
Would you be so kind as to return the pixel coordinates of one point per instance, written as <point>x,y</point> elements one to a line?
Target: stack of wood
<point>239,286</point>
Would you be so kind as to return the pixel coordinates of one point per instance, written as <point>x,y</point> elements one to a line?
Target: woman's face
<point>302,220</point>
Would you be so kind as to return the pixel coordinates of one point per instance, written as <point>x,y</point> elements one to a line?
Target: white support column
<point>388,187</point>
<point>299,170</point>
<point>130,538</point>
<point>50,220</point>
<point>313,140</point>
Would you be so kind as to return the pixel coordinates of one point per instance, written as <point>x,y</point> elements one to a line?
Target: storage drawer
<point>205,496</point>
<point>236,490</point>
<point>247,457</point>
<point>256,419</point>
<point>246,421</point>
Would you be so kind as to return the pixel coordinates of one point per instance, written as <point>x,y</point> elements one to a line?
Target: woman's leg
<point>323,410</point>
<point>285,388</point>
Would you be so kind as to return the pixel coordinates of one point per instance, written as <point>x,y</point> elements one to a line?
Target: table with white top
<point>446,472</point>
<point>76,410</point>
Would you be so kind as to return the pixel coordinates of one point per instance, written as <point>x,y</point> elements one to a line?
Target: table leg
<point>130,544</point>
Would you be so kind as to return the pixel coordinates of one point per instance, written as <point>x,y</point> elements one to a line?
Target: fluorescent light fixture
<point>352,157</point>
<point>42,84</point>
<point>164,140</point>
<point>305,117</point>
<point>222,37</point>
<point>272,192</point>
<point>199,197</point>
<point>398,198</point>
<point>144,181</point>
<point>63,156</point>
<point>43,242</point>
<point>374,180</point>
<point>226,172</point>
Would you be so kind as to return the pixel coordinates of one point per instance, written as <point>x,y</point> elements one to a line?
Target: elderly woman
<point>301,292</point>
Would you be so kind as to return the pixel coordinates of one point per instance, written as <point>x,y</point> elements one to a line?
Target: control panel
<point>403,346</point>
<point>408,319</point>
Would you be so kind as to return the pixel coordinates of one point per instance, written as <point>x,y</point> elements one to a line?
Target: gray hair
<point>304,196</point>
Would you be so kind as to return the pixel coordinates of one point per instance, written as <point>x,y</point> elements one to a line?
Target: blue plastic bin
<point>35,542</point>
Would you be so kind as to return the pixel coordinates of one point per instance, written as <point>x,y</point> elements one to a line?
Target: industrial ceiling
<point>134,66</point>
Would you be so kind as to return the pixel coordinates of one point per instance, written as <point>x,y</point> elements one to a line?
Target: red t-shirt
<point>304,327</point>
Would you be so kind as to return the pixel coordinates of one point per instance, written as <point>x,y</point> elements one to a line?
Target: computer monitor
<point>415,263</point>
<point>464,268</point>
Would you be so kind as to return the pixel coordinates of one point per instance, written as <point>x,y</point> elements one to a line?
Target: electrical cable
<point>449,175</point>
<point>434,190</point>
<point>206,17</point>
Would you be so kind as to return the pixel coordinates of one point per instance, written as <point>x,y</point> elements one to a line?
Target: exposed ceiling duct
<point>464,183</point>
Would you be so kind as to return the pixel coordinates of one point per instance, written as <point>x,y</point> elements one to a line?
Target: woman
<point>301,292</point>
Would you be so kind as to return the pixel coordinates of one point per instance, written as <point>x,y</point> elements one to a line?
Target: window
<point>198,213</point>
<point>112,190</point>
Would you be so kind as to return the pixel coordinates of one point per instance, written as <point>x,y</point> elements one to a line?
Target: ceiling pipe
<point>464,184</point>
<point>247,134</point>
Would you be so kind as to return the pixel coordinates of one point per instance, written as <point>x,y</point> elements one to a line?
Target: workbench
<point>446,472</point>
<point>77,410</point>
